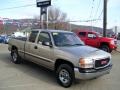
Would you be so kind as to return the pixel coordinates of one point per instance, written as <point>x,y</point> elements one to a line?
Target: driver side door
<point>45,54</point>
<point>92,40</point>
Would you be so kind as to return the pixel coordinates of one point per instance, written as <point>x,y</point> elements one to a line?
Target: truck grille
<point>101,63</point>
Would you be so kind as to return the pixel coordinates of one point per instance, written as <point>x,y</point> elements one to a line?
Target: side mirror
<point>47,44</point>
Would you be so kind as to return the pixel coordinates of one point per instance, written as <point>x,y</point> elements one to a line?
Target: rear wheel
<point>15,57</point>
<point>65,75</point>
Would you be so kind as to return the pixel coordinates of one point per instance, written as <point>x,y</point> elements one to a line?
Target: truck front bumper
<point>91,74</point>
<point>113,47</point>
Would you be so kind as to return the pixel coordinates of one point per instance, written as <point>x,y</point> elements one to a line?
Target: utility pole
<point>115,30</point>
<point>105,18</point>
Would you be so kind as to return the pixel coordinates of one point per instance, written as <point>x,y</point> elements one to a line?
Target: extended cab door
<point>39,53</point>
<point>92,39</point>
<point>30,46</point>
<point>45,50</point>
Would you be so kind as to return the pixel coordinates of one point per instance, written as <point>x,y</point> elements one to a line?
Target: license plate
<point>103,62</point>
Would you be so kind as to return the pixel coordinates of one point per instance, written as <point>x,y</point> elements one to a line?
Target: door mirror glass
<point>46,43</point>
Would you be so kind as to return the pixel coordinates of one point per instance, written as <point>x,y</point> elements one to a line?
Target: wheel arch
<point>104,43</point>
<point>62,61</point>
<point>14,48</point>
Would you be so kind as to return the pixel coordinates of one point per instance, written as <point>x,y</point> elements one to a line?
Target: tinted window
<point>21,38</point>
<point>33,36</point>
<point>82,34</point>
<point>44,36</point>
<point>66,39</point>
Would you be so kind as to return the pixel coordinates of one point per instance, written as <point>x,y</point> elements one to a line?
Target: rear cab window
<point>82,34</point>
<point>33,36</point>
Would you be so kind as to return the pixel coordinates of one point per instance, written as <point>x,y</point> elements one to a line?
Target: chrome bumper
<point>93,74</point>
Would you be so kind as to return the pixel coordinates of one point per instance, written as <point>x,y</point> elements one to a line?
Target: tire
<point>15,57</point>
<point>105,48</point>
<point>65,75</point>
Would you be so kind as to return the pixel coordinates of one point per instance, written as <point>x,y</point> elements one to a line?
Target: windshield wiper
<point>79,44</point>
<point>72,45</point>
<point>67,45</point>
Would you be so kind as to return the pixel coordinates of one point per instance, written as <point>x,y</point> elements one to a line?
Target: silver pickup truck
<point>62,52</point>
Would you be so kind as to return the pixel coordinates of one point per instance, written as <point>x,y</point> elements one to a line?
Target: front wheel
<point>15,57</point>
<point>105,48</point>
<point>65,75</point>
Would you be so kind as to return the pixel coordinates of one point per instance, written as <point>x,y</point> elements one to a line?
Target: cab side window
<point>33,36</point>
<point>44,37</point>
<point>91,35</point>
<point>82,34</point>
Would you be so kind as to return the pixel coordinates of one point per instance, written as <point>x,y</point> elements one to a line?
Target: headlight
<point>112,42</point>
<point>86,63</point>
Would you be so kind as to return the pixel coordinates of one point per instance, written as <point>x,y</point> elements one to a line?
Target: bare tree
<point>56,19</point>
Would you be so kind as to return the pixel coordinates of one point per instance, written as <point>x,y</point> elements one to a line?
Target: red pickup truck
<point>95,40</point>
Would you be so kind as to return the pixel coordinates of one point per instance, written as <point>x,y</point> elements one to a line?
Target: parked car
<point>7,38</point>
<point>64,53</point>
<point>1,39</point>
<point>4,39</point>
<point>94,39</point>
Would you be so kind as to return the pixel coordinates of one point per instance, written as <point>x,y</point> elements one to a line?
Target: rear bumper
<point>92,74</point>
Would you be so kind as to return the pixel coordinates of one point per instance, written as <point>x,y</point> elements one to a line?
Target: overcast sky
<point>75,10</point>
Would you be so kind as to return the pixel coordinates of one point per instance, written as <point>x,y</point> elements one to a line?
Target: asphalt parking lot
<point>28,76</point>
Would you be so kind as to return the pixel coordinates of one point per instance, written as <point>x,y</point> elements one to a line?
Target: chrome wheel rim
<point>105,49</point>
<point>64,76</point>
<point>14,56</point>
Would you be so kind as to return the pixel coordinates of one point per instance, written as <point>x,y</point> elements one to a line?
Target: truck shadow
<point>30,69</point>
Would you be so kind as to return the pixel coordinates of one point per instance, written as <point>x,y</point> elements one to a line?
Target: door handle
<point>35,47</point>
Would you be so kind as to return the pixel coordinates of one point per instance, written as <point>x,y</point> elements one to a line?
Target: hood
<point>79,51</point>
<point>106,38</point>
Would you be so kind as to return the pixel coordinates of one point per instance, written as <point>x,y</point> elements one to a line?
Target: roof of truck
<point>88,31</point>
<point>50,30</point>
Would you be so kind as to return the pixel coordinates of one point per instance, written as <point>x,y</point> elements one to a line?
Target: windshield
<point>66,39</point>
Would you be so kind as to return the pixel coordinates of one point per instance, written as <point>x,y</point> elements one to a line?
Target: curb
<point>118,51</point>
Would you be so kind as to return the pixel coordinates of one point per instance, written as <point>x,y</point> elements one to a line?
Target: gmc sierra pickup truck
<point>64,53</point>
<point>94,39</point>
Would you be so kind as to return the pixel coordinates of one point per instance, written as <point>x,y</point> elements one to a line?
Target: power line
<point>91,12</point>
<point>85,20</point>
<point>97,8</point>
<point>28,5</point>
<point>75,21</point>
<point>20,1</point>
<point>100,14</point>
